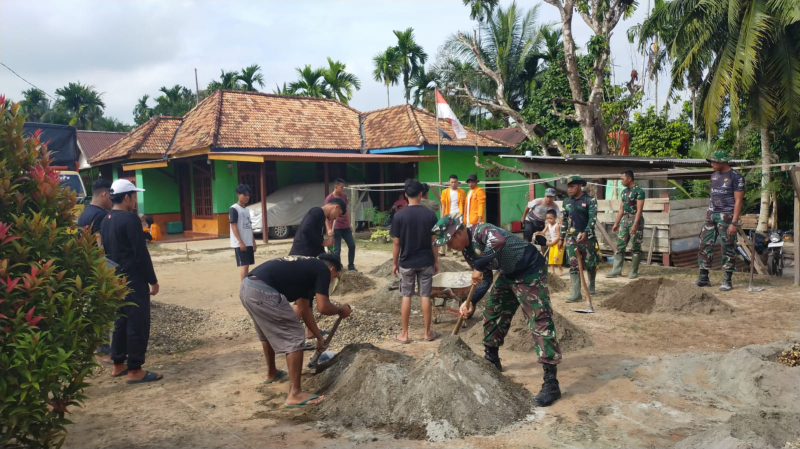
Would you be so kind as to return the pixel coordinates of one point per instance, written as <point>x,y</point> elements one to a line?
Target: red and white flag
<point>443,111</point>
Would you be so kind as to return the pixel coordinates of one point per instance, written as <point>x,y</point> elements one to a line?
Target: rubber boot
<point>635,260</point>
<point>726,282</point>
<point>575,279</point>
<point>592,276</point>
<point>617,269</point>
<point>702,279</point>
<point>550,391</point>
<point>493,357</point>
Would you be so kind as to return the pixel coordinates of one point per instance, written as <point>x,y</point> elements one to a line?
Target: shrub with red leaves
<point>58,296</point>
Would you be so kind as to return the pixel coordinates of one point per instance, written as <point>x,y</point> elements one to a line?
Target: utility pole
<point>196,86</point>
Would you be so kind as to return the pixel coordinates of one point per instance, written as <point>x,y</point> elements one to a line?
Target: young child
<point>146,228</point>
<point>551,231</point>
<point>155,229</point>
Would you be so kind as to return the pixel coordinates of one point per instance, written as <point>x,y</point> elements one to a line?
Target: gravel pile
<point>791,356</point>
<point>360,327</point>
<point>176,328</point>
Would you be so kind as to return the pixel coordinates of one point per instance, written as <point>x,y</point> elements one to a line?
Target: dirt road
<point>614,393</point>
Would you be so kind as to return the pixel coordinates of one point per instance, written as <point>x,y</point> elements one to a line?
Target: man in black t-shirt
<point>92,216</point>
<point>124,243</point>
<point>309,240</point>
<point>414,257</point>
<point>267,293</point>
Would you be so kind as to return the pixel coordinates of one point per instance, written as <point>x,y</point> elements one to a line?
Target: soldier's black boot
<point>493,357</point>
<point>726,282</point>
<point>702,280</point>
<point>550,391</point>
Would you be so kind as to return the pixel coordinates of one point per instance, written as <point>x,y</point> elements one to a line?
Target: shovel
<point>750,287</point>
<point>585,287</point>
<point>461,318</point>
<point>319,356</point>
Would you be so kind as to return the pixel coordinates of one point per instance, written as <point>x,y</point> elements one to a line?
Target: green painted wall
<point>356,173</point>
<point>290,172</point>
<point>512,196</point>
<point>161,195</point>
<point>114,172</point>
<point>223,187</point>
<point>140,196</point>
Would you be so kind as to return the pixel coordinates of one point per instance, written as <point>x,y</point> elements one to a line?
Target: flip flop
<point>281,374</point>
<point>405,342</point>
<point>148,377</point>
<point>309,346</point>
<point>304,403</point>
<point>434,336</point>
<point>123,373</point>
<point>323,332</point>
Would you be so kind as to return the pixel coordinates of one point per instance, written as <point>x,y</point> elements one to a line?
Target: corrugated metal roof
<point>513,136</point>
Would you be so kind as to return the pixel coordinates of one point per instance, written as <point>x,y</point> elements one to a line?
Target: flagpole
<point>438,134</point>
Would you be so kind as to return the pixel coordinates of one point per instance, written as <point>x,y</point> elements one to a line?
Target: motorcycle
<point>775,261</point>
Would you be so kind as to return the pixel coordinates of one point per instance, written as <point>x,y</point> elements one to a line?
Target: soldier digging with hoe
<point>522,283</point>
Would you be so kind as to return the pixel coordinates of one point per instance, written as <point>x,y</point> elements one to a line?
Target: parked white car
<point>286,208</point>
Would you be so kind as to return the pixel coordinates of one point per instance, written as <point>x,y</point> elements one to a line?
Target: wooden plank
<point>650,218</point>
<point>688,204</point>
<point>745,243</point>
<point>661,242</point>
<point>679,231</point>
<point>686,216</point>
<point>650,204</point>
<point>612,243</point>
<point>650,252</point>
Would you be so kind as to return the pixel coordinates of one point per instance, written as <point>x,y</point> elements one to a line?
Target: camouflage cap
<point>576,180</point>
<point>719,156</point>
<point>445,228</point>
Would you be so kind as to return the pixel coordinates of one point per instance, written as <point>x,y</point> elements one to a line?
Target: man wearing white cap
<point>124,243</point>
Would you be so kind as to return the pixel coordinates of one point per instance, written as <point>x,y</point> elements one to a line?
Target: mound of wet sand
<point>450,394</point>
<point>384,270</point>
<point>556,284</point>
<point>661,295</point>
<point>385,300</point>
<point>353,282</point>
<point>570,336</point>
<point>754,429</point>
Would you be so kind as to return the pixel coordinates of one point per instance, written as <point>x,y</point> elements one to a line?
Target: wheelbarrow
<point>452,287</point>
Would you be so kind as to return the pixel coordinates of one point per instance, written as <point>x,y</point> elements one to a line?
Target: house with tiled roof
<point>191,165</point>
<point>91,143</point>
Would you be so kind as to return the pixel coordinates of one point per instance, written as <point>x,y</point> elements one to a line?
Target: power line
<point>23,79</point>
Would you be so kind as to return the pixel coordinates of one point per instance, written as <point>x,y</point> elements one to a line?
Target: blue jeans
<point>347,235</point>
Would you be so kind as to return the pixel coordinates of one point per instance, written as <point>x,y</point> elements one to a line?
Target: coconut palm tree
<point>175,101</point>
<point>388,66</point>
<point>227,81</point>
<point>35,104</point>
<point>142,112</point>
<point>249,77</point>
<point>754,51</point>
<point>338,82</point>
<point>510,45</point>
<point>412,55</point>
<point>423,84</point>
<point>82,103</point>
<point>310,84</point>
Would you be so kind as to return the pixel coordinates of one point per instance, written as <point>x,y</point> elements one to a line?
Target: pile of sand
<point>752,429</point>
<point>570,337</point>
<point>450,394</point>
<point>555,284</point>
<point>661,295</point>
<point>384,270</point>
<point>353,282</point>
<point>385,300</point>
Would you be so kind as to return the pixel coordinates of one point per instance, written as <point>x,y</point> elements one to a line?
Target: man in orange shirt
<point>453,202</point>
<point>476,202</point>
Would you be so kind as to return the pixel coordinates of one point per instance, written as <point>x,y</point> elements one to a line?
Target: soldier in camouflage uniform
<point>630,223</point>
<point>577,234</point>
<point>722,220</point>
<point>522,282</point>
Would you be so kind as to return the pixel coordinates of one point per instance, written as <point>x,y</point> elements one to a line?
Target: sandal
<point>405,342</point>
<point>434,336</point>
<point>305,403</point>
<point>309,346</point>
<point>148,377</point>
<point>280,376</point>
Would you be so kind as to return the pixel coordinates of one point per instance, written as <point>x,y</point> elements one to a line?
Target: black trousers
<point>132,329</point>
<point>347,235</point>
<point>530,228</point>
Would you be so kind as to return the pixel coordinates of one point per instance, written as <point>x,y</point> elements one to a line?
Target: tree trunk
<point>766,158</point>
<point>388,104</point>
<point>693,91</point>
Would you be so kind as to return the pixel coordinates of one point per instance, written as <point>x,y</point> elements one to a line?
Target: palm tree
<point>338,82</point>
<point>310,84</point>
<point>142,112</point>
<point>510,44</point>
<point>281,90</point>
<point>227,81</point>
<point>249,77</point>
<point>175,101</point>
<point>388,66</point>
<point>480,9</point>
<point>111,124</point>
<point>423,84</point>
<point>81,103</point>
<point>412,55</point>
<point>35,104</point>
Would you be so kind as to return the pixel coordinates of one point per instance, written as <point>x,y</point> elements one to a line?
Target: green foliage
<point>656,135</point>
<point>381,236</point>
<point>338,82</point>
<point>81,103</point>
<point>388,66</point>
<point>175,101</point>
<point>58,295</point>
<point>412,57</point>
<point>375,216</point>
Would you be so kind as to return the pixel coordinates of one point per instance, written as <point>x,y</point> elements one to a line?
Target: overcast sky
<point>129,48</point>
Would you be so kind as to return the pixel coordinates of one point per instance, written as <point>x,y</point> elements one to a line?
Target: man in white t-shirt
<point>242,240</point>
<point>535,213</point>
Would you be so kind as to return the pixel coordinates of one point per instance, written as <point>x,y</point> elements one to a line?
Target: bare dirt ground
<point>648,380</point>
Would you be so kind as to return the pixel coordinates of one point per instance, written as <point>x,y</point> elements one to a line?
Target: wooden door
<point>184,180</point>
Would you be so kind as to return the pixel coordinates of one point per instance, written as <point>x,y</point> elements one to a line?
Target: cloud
<point>130,48</point>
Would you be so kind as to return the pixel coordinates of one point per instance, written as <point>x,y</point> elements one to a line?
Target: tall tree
<point>35,104</point>
<point>388,66</point>
<point>175,101</point>
<point>142,112</point>
<point>227,81</point>
<point>281,90</point>
<point>338,82</point>
<point>423,85</point>
<point>755,65</point>
<point>310,84</point>
<point>480,9</point>
<point>412,55</point>
<point>249,77</point>
<point>111,124</point>
<point>82,103</point>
